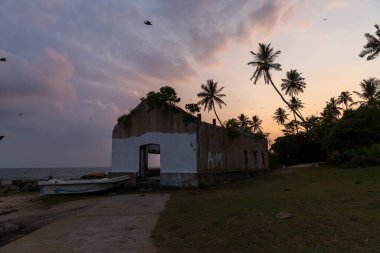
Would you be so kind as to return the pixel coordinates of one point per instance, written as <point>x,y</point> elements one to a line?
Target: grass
<point>334,210</point>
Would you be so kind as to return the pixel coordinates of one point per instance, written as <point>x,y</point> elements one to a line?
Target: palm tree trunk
<point>217,117</point>
<point>298,115</point>
<point>295,120</point>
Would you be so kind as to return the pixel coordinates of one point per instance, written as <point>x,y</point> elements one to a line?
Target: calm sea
<point>44,173</point>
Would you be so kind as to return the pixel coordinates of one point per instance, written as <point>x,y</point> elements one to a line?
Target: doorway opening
<point>150,161</point>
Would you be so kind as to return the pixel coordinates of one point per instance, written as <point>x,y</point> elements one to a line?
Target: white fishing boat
<point>75,186</point>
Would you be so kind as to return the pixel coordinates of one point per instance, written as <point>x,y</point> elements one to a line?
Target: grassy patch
<point>334,210</point>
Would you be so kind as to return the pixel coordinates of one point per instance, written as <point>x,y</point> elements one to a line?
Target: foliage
<point>297,148</point>
<point>365,156</point>
<point>293,83</point>
<point>372,48</point>
<point>192,108</point>
<point>166,96</point>
<point>274,161</point>
<point>125,119</point>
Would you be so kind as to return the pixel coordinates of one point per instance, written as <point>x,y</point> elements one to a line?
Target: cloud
<point>264,19</point>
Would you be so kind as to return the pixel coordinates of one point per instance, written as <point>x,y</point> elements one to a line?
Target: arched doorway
<point>150,164</point>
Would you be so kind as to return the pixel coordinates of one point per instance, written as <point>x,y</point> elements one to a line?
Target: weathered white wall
<point>178,152</point>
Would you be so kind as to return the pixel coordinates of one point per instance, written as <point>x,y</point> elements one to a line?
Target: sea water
<point>44,173</point>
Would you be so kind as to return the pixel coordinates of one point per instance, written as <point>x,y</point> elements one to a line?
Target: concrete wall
<point>178,152</point>
<point>219,151</point>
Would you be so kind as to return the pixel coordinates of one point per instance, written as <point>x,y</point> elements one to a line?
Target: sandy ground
<point>23,214</point>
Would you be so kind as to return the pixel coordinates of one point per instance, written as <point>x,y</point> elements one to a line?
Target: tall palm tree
<point>295,105</point>
<point>211,95</point>
<point>243,121</point>
<point>280,116</point>
<point>344,98</point>
<point>372,48</point>
<point>264,61</point>
<point>256,124</point>
<point>293,83</point>
<point>370,90</point>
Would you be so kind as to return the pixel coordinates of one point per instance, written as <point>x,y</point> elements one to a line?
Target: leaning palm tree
<point>293,83</point>
<point>372,48</point>
<point>264,61</point>
<point>280,116</point>
<point>211,95</point>
<point>370,90</point>
<point>344,98</point>
<point>256,124</point>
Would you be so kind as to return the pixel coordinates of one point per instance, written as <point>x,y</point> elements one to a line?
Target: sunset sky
<point>74,66</point>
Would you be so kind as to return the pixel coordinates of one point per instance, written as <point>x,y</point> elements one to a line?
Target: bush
<point>364,156</point>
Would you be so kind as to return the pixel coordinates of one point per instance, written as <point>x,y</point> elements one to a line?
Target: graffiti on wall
<point>215,160</point>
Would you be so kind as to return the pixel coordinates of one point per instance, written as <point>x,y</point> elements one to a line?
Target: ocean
<point>44,173</point>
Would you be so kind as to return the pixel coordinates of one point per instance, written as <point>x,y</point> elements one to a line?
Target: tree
<point>264,61</point>
<point>211,95</point>
<point>293,84</point>
<point>331,112</point>
<point>192,108</point>
<point>370,90</point>
<point>295,105</point>
<point>256,124</point>
<point>344,98</point>
<point>372,48</point>
<point>169,95</point>
<point>166,96</point>
<point>280,116</point>
<point>243,121</point>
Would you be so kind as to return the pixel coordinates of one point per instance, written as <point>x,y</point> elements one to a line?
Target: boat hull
<point>54,187</point>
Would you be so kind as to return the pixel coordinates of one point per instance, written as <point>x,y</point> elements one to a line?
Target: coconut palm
<point>344,98</point>
<point>372,48</point>
<point>264,61</point>
<point>331,112</point>
<point>370,90</point>
<point>280,116</point>
<point>295,105</point>
<point>243,121</point>
<point>256,124</point>
<point>211,95</point>
<point>293,84</point>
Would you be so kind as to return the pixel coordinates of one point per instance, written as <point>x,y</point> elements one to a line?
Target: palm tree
<point>295,105</point>
<point>280,116</point>
<point>344,98</point>
<point>293,84</point>
<point>331,110</point>
<point>372,48</point>
<point>243,121</point>
<point>263,60</point>
<point>370,90</point>
<point>211,95</point>
<point>256,124</point>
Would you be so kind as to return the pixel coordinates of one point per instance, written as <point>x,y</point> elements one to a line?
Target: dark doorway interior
<point>150,166</point>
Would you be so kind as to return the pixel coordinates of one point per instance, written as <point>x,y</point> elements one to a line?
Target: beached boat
<point>61,186</point>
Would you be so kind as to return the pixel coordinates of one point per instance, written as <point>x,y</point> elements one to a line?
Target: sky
<point>74,66</point>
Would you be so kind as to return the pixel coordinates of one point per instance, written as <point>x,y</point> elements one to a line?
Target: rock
<point>8,227</point>
<point>283,215</point>
<point>28,187</point>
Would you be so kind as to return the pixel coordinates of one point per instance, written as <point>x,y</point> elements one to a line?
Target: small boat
<point>75,186</point>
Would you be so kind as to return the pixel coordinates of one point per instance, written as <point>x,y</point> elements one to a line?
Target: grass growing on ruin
<point>334,210</point>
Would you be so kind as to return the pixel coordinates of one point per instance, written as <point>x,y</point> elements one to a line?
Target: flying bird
<point>1,137</point>
<point>20,114</point>
<point>324,19</point>
<point>147,22</point>
<point>3,59</point>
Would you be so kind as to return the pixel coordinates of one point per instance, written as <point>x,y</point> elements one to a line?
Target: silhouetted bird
<point>3,59</point>
<point>1,137</point>
<point>147,22</point>
<point>20,114</point>
<point>324,19</point>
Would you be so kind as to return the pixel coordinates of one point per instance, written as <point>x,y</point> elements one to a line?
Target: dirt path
<point>122,223</point>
